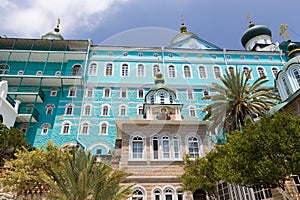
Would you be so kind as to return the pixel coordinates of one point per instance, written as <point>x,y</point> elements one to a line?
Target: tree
<point>66,175</point>
<point>10,141</point>
<point>236,100</point>
<point>265,154</point>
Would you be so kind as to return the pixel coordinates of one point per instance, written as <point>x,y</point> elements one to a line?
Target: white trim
<point>121,69</point>
<point>190,71</point>
<point>112,70</point>
<point>95,71</point>
<point>137,70</point>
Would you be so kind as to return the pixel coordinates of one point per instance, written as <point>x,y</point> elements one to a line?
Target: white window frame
<point>189,71</point>
<point>124,70</point>
<point>39,73</point>
<point>106,70</point>
<point>263,70</point>
<point>172,74</point>
<point>93,69</point>
<point>68,106</point>
<point>202,73</point>
<point>85,128</point>
<point>138,108</point>
<point>102,109</point>
<point>219,71</point>
<point>85,110</point>
<point>140,73</point>
<point>49,107</point>
<point>274,75</point>
<point>101,128</point>
<point>104,92</point>
<point>53,92</point>
<point>139,155</point>
<point>249,69</point>
<point>72,92</point>
<point>190,95</point>
<point>89,92</point>
<point>192,109</point>
<point>121,108</point>
<point>199,144</point>
<point>122,90</point>
<point>64,126</point>
<point>138,94</point>
<point>45,128</point>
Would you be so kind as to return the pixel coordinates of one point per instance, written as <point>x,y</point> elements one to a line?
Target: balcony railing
<point>27,112</point>
<point>10,101</point>
<point>21,92</point>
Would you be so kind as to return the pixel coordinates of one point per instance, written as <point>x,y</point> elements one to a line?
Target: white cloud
<point>36,17</point>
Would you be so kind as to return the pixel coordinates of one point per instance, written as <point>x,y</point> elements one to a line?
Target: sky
<point>148,22</point>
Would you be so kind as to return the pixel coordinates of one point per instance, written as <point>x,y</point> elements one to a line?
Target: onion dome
<point>55,35</point>
<point>253,31</point>
<point>293,50</point>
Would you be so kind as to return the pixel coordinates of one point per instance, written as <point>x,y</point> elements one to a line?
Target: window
<point>87,109</point>
<point>140,54</point>
<point>137,147</point>
<point>190,94</point>
<point>205,93</point>
<point>69,109</point>
<point>162,98</point>
<point>176,147</point>
<point>262,193</point>
<point>274,71</point>
<point>45,128</point>
<point>223,191</point>
<point>123,93</point>
<point>297,75</point>
<point>261,72</point>
<point>140,70</point>
<point>246,71</point>
<point>123,110</point>
<point>108,69</point>
<point>39,73</point>
<point>76,70</point>
<point>103,128</point>
<point>179,194</point>
<point>23,128</point>
<point>137,195</point>
<point>106,92</point>
<point>140,110</point>
<point>53,92</point>
<point>170,55</point>
<point>155,70</point>
<point>105,110</point>
<point>89,92</point>
<point>230,69</point>
<point>187,72</point>
<point>92,71</point>
<point>297,182</point>
<point>85,128</point>
<point>256,57</point>
<point>155,54</point>
<point>66,127</point>
<point>140,93</point>
<point>192,111</point>
<point>217,72</point>
<point>98,153</point>
<point>4,68</point>
<point>57,73</point>
<point>202,72</point>
<point>286,87</point>
<point>125,54</point>
<point>168,194</point>
<point>156,195</point>
<point>155,147</point>
<point>166,147</point>
<point>172,73</point>
<point>20,72</point>
<point>124,70</point>
<point>49,109</point>
<point>72,92</point>
<point>110,53</point>
<point>193,147</point>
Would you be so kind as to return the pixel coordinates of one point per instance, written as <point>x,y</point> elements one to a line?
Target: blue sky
<point>221,22</point>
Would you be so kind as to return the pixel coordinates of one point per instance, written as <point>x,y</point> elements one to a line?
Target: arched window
<point>192,110</point>
<point>140,70</point>
<point>202,72</point>
<point>140,110</point>
<point>296,73</point>
<point>286,87</point>
<point>176,148</point>
<point>105,110</point>
<point>274,71</point>
<point>108,69</point>
<point>187,72</point>
<point>123,93</point>
<point>179,193</point>
<point>246,71</point>
<point>230,69</point>
<point>140,93</point>
<point>69,109</point>
<point>122,110</point>
<point>49,109</point>
<point>168,193</point>
<point>87,109</point>
<point>45,128</point>
<point>103,128</point>
<point>193,147</point>
<point>138,195</point>
<point>157,194</point>
<point>92,71</point>
<point>89,92</point>
<point>85,128</point>
<point>124,70</point>
<point>190,94</point>
<point>72,92</point>
<point>217,72</point>
<point>261,72</point>
<point>4,68</point>
<point>53,92</point>
<point>166,147</point>
<point>66,127</point>
<point>172,73</point>
<point>106,92</point>
<point>155,148</point>
<point>76,70</point>
<point>137,144</point>
<point>155,70</point>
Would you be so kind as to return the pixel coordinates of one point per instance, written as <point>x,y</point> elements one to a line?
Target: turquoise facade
<point>87,87</point>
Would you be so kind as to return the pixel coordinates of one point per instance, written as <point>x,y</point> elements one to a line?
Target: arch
<point>105,149</point>
<point>139,193</point>
<point>137,146</point>
<point>156,193</point>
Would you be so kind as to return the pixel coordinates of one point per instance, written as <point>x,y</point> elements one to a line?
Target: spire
<point>57,26</point>
<point>183,28</point>
<point>251,24</point>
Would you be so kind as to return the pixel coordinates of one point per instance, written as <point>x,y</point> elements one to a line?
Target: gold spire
<point>183,28</point>
<point>251,24</point>
<point>57,26</point>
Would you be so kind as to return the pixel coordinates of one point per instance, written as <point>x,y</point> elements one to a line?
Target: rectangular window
<point>123,93</point>
<point>90,92</point>
<point>140,94</point>
<point>93,69</point>
<point>72,92</point>
<point>190,95</point>
<point>53,92</point>
<point>140,71</point>
<point>137,150</point>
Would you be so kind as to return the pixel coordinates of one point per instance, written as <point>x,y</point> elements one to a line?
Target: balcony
<point>27,94</point>
<point>10,101</point>
<point>27,113</point>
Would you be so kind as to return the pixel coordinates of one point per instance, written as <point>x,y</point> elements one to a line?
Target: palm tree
<point>79,177</point>
<point>236,100</point>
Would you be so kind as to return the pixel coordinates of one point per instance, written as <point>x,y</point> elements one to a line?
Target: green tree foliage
<point>10,141</point>
<point>236,100</point>
<point>265,154</point>
<point>69,175</point>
